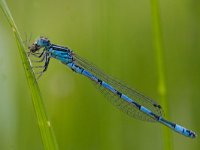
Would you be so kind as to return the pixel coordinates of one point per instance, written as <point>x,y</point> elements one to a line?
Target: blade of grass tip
<point>159,48</point>
<point>46,131</point>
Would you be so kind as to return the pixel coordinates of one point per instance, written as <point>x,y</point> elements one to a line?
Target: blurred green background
<point>117,36</point>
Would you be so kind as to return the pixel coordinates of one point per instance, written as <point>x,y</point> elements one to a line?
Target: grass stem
<point>159,49</point>
<point>46,131</point>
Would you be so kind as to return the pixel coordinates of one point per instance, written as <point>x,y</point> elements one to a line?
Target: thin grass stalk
<point>159,50</point>
<point>46,131</point>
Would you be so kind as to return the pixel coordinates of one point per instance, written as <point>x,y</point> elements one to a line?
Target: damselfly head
<point>39,43</point>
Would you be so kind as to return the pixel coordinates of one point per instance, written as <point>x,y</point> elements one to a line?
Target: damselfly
<point>124,98</point>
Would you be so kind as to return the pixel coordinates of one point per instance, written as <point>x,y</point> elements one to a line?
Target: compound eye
<point>33,48</point>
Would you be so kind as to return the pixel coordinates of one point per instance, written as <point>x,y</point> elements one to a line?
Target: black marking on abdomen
<point>100,81</point>
<point>172,124</point>
<point>136,104</point>
<point>155,116</point>
<point>82,70</point>
<point>118,93</point>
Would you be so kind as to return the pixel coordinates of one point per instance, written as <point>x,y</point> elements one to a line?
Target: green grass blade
<point>48,138</point>
<point>159,48</point>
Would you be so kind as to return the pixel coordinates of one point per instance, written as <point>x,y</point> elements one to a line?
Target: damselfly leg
<point>43,57</point>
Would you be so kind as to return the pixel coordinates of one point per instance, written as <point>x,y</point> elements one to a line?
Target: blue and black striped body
<point>128,100</point>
